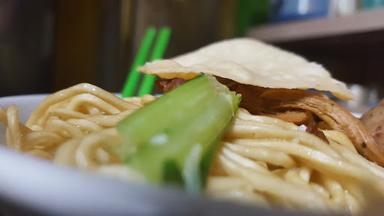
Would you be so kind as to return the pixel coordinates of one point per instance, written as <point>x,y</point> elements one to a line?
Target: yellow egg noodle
<point>262,160</point>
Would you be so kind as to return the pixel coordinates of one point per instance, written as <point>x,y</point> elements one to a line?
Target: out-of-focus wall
<point>26,39</point>
<point>96,40</point>
<point>47,45</point>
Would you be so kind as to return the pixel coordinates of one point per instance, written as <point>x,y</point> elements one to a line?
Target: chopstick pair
<point>141,57</point>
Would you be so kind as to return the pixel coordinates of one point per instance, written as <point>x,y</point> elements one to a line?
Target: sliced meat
<point>167,85</point>
<point>312,127</point>
<point>263,101</point>
<point>374,122</point>
<point>334,115</point>
<point>297,117</point>
<point>301,117</point>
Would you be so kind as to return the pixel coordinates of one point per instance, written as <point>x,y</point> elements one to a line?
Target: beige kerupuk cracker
<point>252,62</point>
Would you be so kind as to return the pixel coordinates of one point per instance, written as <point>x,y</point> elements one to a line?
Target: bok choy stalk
<point>173,139</point>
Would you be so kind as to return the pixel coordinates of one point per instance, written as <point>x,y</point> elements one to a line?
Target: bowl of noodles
<point>288,148</point>
<point>30,185</point>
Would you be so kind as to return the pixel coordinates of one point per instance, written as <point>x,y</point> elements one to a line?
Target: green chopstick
<point>158,53</point>
<point>133,77</point>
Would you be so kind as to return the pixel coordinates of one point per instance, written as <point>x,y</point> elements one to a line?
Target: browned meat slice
<point>314,129</point>
<point>167,85</point>
<point>301,117</point>
<point>374,122</point>
<point>297,117</point>
<point>334,115</point>
<point>263,101</point>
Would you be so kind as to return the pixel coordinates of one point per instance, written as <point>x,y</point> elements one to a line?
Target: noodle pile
<point>275,163</point>
<point>262,159</point>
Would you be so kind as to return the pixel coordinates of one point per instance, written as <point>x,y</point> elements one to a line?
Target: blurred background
<point>46,45</point>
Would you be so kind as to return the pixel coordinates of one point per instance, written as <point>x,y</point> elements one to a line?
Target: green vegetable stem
<point>173,139</point>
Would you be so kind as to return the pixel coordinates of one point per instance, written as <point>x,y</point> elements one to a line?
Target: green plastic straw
<point>158,52</point>
<point>133,77</point>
